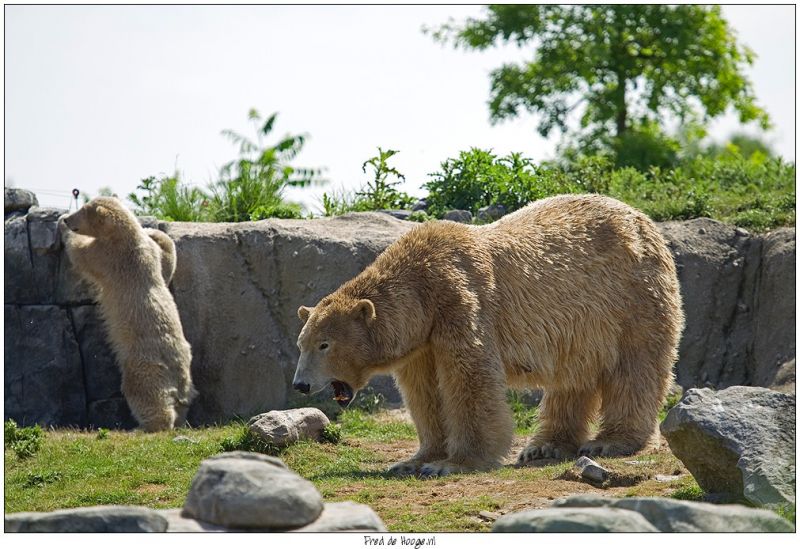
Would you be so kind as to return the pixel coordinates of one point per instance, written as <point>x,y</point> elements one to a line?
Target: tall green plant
<point>381,193</point>
<point>251,187</point>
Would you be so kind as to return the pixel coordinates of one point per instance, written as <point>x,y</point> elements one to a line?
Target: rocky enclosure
<point>238,287</point>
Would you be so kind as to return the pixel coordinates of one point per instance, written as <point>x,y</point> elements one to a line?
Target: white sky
<point>107,95</point>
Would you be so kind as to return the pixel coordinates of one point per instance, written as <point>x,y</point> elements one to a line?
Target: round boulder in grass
<point>251,491</point>
<point>284,427</point>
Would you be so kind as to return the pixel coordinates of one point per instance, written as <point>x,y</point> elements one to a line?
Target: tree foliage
<point>624,65</point>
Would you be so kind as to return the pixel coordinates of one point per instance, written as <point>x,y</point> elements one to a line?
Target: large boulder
<point>251,491</point>
<point>670,515</point>
<point>738,443</point>
<point>101,519</point>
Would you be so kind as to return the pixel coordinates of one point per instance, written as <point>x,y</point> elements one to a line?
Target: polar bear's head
<point>336,347</point>
<point>104,216</point>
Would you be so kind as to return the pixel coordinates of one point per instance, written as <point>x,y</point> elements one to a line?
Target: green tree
<point>626,65</point>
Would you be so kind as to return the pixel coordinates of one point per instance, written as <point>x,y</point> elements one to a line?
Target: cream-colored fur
<point>576,294</point>
<point>168,254</point>
<point>130,268</point>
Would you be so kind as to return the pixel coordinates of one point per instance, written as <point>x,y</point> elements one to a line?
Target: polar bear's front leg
<point>418,385</point>
<point>476,416</point>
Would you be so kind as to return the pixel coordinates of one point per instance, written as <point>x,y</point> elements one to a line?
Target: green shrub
<point>168,199</point>
<point>479,178</point>
<point>755,192</point>
<point>332,433</point>
<point>23,441</point>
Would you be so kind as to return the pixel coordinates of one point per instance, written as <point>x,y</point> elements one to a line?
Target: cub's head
<point>101,217</point>
<point>336,347</point>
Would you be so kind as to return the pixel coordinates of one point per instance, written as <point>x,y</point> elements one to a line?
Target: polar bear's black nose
<point>302,387</point>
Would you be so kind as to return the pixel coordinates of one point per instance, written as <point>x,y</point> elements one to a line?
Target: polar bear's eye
<point>323,346</point>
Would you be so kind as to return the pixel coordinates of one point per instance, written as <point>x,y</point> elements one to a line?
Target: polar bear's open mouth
<point>342,393</point>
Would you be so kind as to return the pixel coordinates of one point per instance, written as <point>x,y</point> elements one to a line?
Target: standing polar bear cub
<point>576,294</point>
<point>130,268</point>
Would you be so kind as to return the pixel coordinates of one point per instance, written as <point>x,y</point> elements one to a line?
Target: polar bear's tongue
<point>342,393</point>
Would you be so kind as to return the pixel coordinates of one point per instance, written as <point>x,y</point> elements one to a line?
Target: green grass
<point>82,468</point>
<point>788,511</point>
<point>74,468</point>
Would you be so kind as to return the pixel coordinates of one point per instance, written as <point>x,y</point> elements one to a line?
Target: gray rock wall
<point>238,286</point>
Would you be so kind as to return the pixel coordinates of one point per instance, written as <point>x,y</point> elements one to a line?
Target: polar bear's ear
<point>102,211</point>
<point>366,308</point>
<point>304,312</point>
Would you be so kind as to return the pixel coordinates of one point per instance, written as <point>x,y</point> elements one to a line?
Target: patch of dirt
<point>510,489</point>
<point>150,489</point>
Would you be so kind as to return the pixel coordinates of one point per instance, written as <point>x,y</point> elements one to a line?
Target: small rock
<point>667,478</point>
<point>701,230</point>
<point>591,470</point>
<point>399,214</point>
<point>421,204</point>
<point>573,520</point>
<point>671,515</point>
<point>459,216</point>
<point>283,427</point>
<point>489,515</point>
<point>105,518</point>
<point>251,491</point>
<point>184,439</point>
<point>741,232</point>
<point>738,442</point>
<point>491,213</point>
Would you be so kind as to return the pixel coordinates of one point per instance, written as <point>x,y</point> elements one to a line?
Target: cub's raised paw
<point>546,450</point>
<point>405,468</point>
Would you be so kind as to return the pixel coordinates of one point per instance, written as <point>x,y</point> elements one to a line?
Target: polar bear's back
<point>575,275</point>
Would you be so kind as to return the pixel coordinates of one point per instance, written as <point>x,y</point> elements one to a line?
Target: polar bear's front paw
<point>544,450</point>
<point>405,468</point>
<point>606,448</point>
<point>441,468</point>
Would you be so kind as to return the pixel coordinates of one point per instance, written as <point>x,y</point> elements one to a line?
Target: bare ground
<point>486,496</point>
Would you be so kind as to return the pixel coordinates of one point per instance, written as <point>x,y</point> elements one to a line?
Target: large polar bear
<point>576,294</point>
<point>130,268</point>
